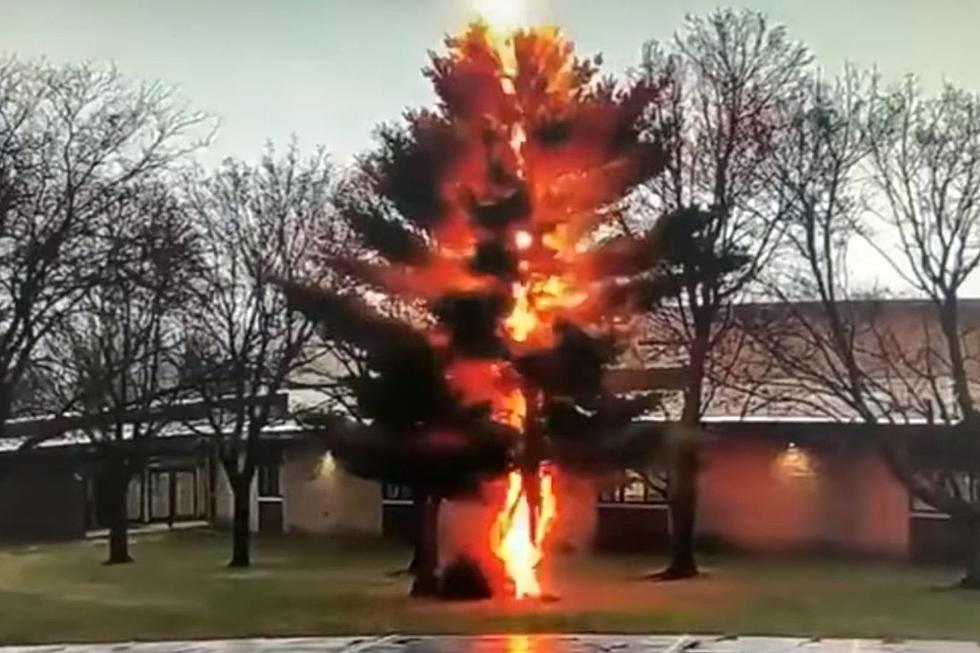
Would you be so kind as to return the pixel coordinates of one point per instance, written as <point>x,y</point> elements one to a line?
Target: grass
<point>179,588</point>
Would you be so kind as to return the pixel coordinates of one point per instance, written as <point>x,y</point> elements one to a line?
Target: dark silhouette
<point>259,225</point>
<point>918,155</point>
<point>729,74</point>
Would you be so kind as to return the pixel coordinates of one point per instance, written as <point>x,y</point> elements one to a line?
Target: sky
<point>329,71</point>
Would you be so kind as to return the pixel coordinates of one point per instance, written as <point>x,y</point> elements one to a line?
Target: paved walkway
<point>519,644</point>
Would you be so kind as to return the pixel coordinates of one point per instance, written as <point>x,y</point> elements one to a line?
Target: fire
<point>489,236</point>
<point>522,321</point>
<point>519,539</point>
<point>532,163</point>
<point>537,304</point>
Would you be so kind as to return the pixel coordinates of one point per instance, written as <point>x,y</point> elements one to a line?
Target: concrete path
<point>518,644</point>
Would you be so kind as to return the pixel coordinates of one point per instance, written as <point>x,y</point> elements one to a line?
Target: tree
<point>261,226</point>
<point>729,74</point>
<point>114,360</point>
<point>71,139</point>
<point>490,292</point>
<point>914,162</point>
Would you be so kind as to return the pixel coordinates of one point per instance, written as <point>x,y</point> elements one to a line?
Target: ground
<point>179,588</point>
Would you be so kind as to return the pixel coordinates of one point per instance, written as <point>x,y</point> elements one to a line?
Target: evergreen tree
<point>493,286</point>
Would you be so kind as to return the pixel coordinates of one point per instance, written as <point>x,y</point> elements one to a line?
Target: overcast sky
<point>329,71</point>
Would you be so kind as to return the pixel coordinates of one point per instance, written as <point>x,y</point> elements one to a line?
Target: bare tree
<point>926,163</point>
<point>262,225</point>
<point>730,73</point>
<point>70,139</point>
<point>914,163</point>
<point>818,175</point>
<point>113,361</point>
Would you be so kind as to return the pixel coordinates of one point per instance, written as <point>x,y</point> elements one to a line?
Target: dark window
<point>269,480</point>
<point>635,490</point>
<point>960,484</point>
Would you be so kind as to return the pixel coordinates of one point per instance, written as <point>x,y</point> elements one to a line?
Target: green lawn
<point>179,588</point>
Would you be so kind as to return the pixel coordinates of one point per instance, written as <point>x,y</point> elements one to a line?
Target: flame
<point>502,80</point>
<point>517,542</point>
<point>522,321</point>
<point>537,305</point>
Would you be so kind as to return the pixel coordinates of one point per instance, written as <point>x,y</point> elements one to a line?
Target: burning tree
<point>490,221</point>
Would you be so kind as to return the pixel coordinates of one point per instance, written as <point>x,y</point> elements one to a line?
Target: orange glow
<point>514,409</point>
<point>503,84</point>
<point>514,542</point>
<point>517,644</point>
<point>537,305</point>
<point>522,319</point>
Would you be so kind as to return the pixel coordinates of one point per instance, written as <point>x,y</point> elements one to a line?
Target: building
<point>779,479</point>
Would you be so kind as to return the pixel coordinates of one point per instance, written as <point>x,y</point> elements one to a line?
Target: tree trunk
<point>971,580</point>
<point>682,496</point>
<point>683,501</point>
<point>426,572</point>
<point>240,532</point>
<point>418,516</point>
<point>118,489</point>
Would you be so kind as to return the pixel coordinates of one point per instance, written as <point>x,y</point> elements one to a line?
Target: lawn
<point>179,588</point>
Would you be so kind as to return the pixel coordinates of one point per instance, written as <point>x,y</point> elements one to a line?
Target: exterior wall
<point>575,528</point>
<point>320,497</point>
<point>224,501</point>
<point>768,495</point>
<point>42,502</point>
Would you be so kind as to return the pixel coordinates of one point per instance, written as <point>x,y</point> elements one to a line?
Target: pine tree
<point>491,221</point>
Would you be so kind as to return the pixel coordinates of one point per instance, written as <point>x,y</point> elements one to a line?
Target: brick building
<point>778,479</point>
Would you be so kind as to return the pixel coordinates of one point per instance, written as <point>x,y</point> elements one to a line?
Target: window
<point>635,490</point>
<point>962,484</point>
<point>185,485</point>
<point>159,494</point>
<point>134,499</point>
<point>269,480</point>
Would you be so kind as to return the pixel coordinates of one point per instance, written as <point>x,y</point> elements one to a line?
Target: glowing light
<point>514,409</point>
<point>505,15</point>
<point>325,466</point>
<point>515,544</point>
<point>536,305</point>
<point>522,320</point>
<point>523,239</point>
<point>517,644</point>
<point>794,463</point>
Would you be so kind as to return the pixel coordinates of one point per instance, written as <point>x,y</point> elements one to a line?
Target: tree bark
<point>240,531</point>
<point>683,501</point>
<point>426,573</point>
<point>971,580</point>
<point>418,508</point>
<point>118,488</point>
<point>682,496</point>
